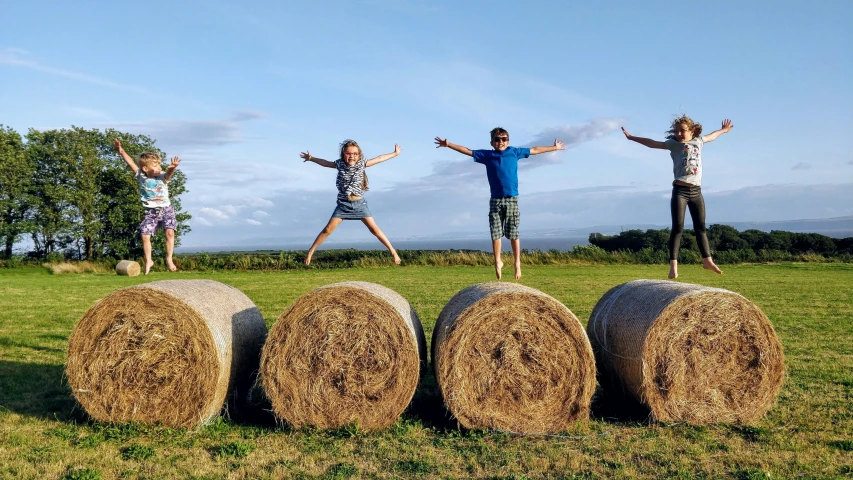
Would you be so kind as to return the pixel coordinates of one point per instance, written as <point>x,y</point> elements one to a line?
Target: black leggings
<point>690,197</point>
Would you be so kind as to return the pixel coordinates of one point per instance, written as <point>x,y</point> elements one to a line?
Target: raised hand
<point>175,162</point>
<point>727,125</point>
<point>397,149</point>
<point>306,155</point>
<point>117,144</point>
<point>559,144</point>
<point>440,142</point>
<point>627,135</point>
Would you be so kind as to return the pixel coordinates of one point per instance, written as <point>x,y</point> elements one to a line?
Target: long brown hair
<point>352,143</point>
<point>696,127</point>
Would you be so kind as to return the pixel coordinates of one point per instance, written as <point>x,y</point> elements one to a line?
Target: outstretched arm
<point>171,169</point>
<point>127,158</point>
<point>442,142</point>
<point>645,141</point>
<point>306,156</point>
<point>381,158</point>
<point>726,128</point>
<point>558,145</point>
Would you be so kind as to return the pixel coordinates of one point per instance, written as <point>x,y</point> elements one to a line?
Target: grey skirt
<point>352,210</point>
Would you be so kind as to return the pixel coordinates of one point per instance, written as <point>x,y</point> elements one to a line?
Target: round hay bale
<point>689,353</point>
<point>344,353</point>
<point>128,268</point>
<point>509,357</point>
<point>167,351</point>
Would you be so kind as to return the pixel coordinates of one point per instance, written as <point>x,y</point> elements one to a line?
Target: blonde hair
<point>149,159</point>
<point>696,127</point>
<point>352,143</point>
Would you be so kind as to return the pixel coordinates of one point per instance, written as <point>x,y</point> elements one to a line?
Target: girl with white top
<point>684,140</point>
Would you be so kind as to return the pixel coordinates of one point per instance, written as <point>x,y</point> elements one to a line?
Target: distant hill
<point>838,227</point>
<point>561,238</point>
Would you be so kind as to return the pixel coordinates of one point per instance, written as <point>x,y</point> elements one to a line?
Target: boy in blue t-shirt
<point>502,171</point>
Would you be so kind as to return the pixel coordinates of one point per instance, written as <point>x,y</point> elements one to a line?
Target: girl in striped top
<point>351,183</point>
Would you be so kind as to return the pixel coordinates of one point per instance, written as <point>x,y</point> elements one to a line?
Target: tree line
<point>73,196</point>
<point>724,238</point>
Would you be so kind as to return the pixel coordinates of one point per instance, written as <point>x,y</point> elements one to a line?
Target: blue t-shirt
<point>502,169</point>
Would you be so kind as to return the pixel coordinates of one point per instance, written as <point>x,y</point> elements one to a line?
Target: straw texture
<point>509,357</point>
<point>690,353</point>
<point>167,351</point>
<point>128,268</point>
<point>344,353</point>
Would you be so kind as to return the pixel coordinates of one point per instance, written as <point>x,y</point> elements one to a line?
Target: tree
<point>51,218</point>
<point>725,237</point>
<point>86,200</point>
<point>120,208</point>
<point>16,171</point>
<point>812,242</point>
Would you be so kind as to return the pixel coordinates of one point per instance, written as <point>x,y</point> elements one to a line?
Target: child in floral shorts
<point>154,194</point>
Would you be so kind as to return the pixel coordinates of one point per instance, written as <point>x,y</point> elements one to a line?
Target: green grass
<point>808,434</point>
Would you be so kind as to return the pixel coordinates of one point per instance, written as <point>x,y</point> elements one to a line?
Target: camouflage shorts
<point>504,217</point>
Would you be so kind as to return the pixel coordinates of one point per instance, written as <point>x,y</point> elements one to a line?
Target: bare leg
<point>708,264</point>
<point>322,236</point>
<point>499,264</point>
<point>374,229</point>
<point>170,248</point>
<point>516,256</point>
<point>146,247</point>
<point>673,269</point>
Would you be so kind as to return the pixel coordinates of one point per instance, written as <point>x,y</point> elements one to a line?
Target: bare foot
<point>709,264</point>
<point>673,270</point>
<point>517,270</point>
<point>308,257</point>
<point>148,265</point>
<point>499,265</point>
<point>396,259</point>
<point>171,265</point>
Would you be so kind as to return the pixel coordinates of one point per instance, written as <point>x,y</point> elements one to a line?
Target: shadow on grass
<point>42,391</point>
<point>427,406</point>
<point>617,406</point>
<point>37,390</point>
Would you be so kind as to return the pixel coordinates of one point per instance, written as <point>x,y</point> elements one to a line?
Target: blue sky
<point>239,90</point>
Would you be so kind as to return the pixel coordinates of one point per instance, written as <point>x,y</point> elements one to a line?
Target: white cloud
<point>230,209</point>
<point>253,222</point>
<point>457,213</point>
<point>213,213</point>
<point>243,115</point>
<point>260,214</point>
<point>17,57</point>
<point>257,202</point>
<point>182,135</point>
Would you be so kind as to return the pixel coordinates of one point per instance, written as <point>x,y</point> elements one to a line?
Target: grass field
<point>808,434</point>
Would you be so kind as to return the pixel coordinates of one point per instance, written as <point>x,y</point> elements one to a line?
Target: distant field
<point>808,434</point>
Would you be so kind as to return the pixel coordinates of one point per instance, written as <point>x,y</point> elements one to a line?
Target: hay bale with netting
<point>689,353</point>
<point>344,353</point>
<point>128,268</point>
<point>167,352</point>
<point>509,357</point>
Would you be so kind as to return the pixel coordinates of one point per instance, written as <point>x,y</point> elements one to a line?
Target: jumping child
<point>684,140</point>
<point>351,183</point>
<point>154,194</point>
<point>502,171</point>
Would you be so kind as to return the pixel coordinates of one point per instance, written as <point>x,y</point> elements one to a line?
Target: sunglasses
<point>500,139</point>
